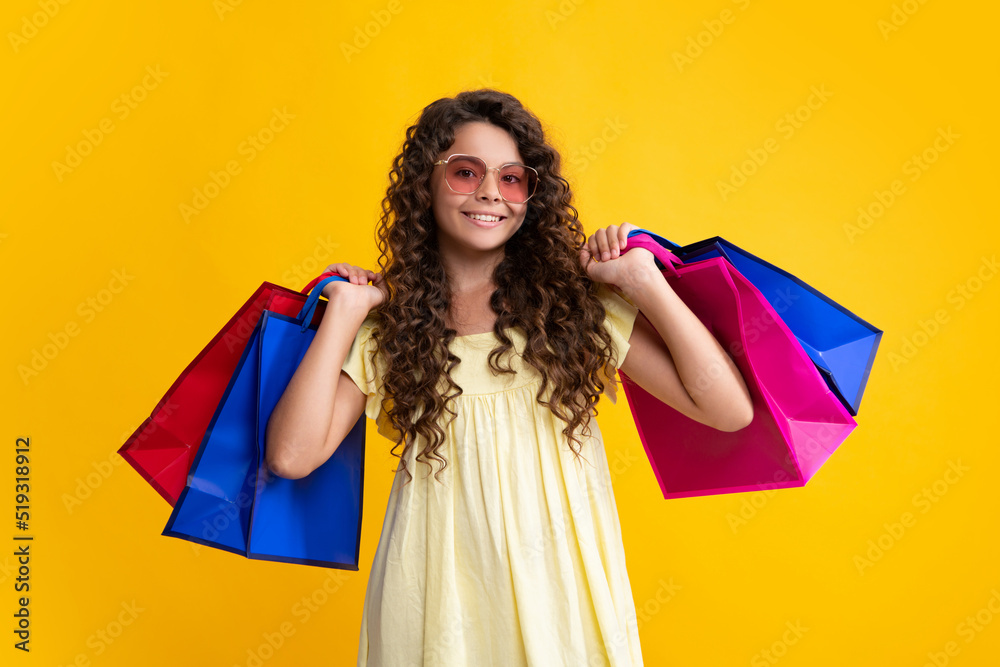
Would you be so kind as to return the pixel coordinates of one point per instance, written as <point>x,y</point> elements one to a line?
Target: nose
<point>490,189</point>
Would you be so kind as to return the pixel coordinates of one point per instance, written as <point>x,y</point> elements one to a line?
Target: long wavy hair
<point>540,286</point>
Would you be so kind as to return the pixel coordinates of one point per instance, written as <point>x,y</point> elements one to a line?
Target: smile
<point>487,221</point>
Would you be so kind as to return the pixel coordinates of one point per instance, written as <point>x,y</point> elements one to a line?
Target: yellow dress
<point>515,557</point>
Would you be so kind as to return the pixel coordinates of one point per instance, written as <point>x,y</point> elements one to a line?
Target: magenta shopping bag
<point>797,424</point>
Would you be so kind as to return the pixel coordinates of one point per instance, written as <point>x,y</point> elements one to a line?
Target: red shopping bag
<point>162,449</point>
<point>797,423</point>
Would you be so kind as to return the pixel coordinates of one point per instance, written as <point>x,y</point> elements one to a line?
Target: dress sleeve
<point>619,318</point>
<point>368,375</point>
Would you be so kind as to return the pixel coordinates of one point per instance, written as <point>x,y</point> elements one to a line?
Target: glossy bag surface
<point>797,423</point>
<point>232,501</point>
<point>319,515</point>
<point>840,344</point>
<point>163,447</point>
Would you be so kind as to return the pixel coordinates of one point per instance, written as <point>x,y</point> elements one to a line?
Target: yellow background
<point>647,137</point>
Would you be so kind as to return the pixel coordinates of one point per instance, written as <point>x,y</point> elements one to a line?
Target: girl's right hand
<point>357,286</point>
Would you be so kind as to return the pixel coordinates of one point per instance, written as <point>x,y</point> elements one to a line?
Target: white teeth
<point>484,218</point>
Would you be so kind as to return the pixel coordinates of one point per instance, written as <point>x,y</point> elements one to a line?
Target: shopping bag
<point>797,422</point>
<point>233,502</point>
<point>840,344</point>
<point>162,448</point>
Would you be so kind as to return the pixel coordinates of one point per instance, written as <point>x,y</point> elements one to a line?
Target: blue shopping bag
<point>840,344</point>
<point>232,501</point>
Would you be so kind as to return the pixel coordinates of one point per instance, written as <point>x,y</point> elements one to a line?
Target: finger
<point>613,242</point>
<point>586,257</point>
<point>623,233</point>
<point>602,244</point>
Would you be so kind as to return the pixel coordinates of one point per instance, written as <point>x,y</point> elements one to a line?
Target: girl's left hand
<point>601,256</point>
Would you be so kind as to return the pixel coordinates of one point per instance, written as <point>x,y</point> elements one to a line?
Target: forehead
<point>493,144</point>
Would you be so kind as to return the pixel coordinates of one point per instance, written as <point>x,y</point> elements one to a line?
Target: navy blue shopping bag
<point>232,501</point>
<point>840,344</point>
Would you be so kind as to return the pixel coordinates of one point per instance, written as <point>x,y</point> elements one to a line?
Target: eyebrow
<point>484,159</point>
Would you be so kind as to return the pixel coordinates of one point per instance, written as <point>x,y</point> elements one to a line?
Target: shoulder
<point>616,306</point>
<point>365,338</point>
<point>619,320</point>
<point>361,364</point>
<point>368,326</point>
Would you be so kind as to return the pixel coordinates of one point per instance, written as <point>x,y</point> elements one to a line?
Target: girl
<point>483,345</point>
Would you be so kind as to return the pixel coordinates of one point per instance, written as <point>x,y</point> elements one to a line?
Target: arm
<point>671,355</point>
<point>321,403</point>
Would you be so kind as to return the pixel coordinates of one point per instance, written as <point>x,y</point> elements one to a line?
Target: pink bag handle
<point>667,258</point>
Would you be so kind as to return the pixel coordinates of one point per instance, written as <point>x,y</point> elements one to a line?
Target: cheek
<point>442,197</point>
<point>522,215</point>
<point>439,192</point>
<point>519,225</point>
<point>440,202</point>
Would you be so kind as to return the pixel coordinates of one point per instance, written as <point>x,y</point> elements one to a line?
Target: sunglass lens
<point>464,174</point>
<point>517,183</point>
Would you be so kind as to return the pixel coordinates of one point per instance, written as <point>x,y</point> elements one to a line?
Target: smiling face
<point>481,222</point>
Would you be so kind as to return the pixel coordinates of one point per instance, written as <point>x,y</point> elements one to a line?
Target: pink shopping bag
<point>797,424</point>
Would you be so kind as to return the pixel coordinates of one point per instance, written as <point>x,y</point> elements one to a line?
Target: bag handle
<point>665,260</point>
<point>312,283</point>
<point>309,308</point>
<point>669,245</point>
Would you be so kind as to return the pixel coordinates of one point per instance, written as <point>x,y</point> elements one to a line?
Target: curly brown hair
<point>540,286</point>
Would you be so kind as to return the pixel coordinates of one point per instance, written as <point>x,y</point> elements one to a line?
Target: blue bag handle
<point>305,315</point>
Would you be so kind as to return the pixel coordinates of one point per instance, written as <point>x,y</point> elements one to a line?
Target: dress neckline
<point>511,331</point>
<point>484,333</point>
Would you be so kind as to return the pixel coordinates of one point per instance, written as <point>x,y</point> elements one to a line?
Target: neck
<point>470,270</point>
